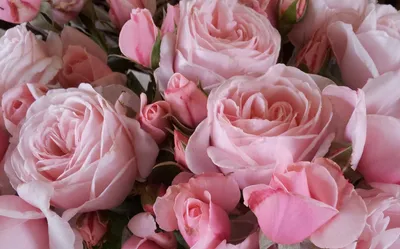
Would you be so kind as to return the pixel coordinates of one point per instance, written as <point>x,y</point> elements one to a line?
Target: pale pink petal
<point>72,37</point>
<point>379,162</point>
<point>278,212</point>
<point>196,151</point>
<point>142,225</point>
<point>355,63</point>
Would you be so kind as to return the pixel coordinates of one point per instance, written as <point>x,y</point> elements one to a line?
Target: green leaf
<point>181,241</point>
<point>151,89</point>
<point>155,53</point>
<point>116,225</point>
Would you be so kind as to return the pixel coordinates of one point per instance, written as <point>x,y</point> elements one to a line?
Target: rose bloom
<point>84,61</point>
<point>367,52</point>
<point>209,47</point>
<point>373,127</point>
<point>383,224</point>
<point>199,209</point>
<point>92,228</point>
<point>17,100</point>
<point>26,59</point>
<point>76,142</point>
<point>28,222</point>
<point>256,125</point>
<point>320,12</point>
<point>315,199</point>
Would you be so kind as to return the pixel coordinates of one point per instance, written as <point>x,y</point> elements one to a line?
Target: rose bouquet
<point>202,124</point>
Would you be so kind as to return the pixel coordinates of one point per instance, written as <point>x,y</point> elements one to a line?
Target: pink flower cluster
<point>134,124</point>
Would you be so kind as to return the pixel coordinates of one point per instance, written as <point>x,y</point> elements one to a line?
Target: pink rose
<point>315,53</point>
<point>256,126</point>
<point>154,118</point>
<point>241,42</point>
<point>188,102</point>
<point>120,10</point>
<point>316,199</point>
<point>321,12</point>
<point>138,48</point>
<point>383,223</point>
<point>19,11</point>
<point>363,53</point>
<point>143,227</point>
<point>85,62</point>
<point>180,142</point>
<point>199,209</point>
<point>64,11</point>
<point>26,59</point>
<point>171,20</point>
<point>17,100</point>
<point>92,228</point>
<point>28,222</point>
<point>268,8</point>
<point>373,127</point>
<point>90,156</point>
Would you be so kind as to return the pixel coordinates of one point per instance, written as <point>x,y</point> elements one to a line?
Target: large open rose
<point>367,52</point>
<point>256,124</point>
<point>216,40</point>
<point>75,141</point>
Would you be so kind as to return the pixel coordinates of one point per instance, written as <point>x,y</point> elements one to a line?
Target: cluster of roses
<point>256,142</point>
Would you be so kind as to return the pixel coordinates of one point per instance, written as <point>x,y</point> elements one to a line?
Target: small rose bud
<point>180,142</point>
<point>291,7</point>
<point>188,102</point>
<point>139,48</point>
<point>153,118</point>
<point>315,53</point>
<point>16,102</point>
<point>290,13</point>
<point>120,10</point>
<point>92,228</point>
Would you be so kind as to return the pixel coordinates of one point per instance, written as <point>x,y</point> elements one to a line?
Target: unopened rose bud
<point>92,228</point>
<point>180,142</point>
<point>18,11</point>
<point>290,13</point>
<point>153,118</point>
<point>188,102</point>
<point>315,53</point>
<point>139,50</point>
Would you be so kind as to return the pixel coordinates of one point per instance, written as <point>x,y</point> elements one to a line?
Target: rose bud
<point>17,100</point>
<point>139,48</point>
<point>120,10</point>
<point>290,13</point>
<point>180,141</point>
<point>92,228</point>
<point>18,11</point>
<point>153,118</point>
<point>315,53</point>
<point>285,8</point>
<point>188,102</point>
